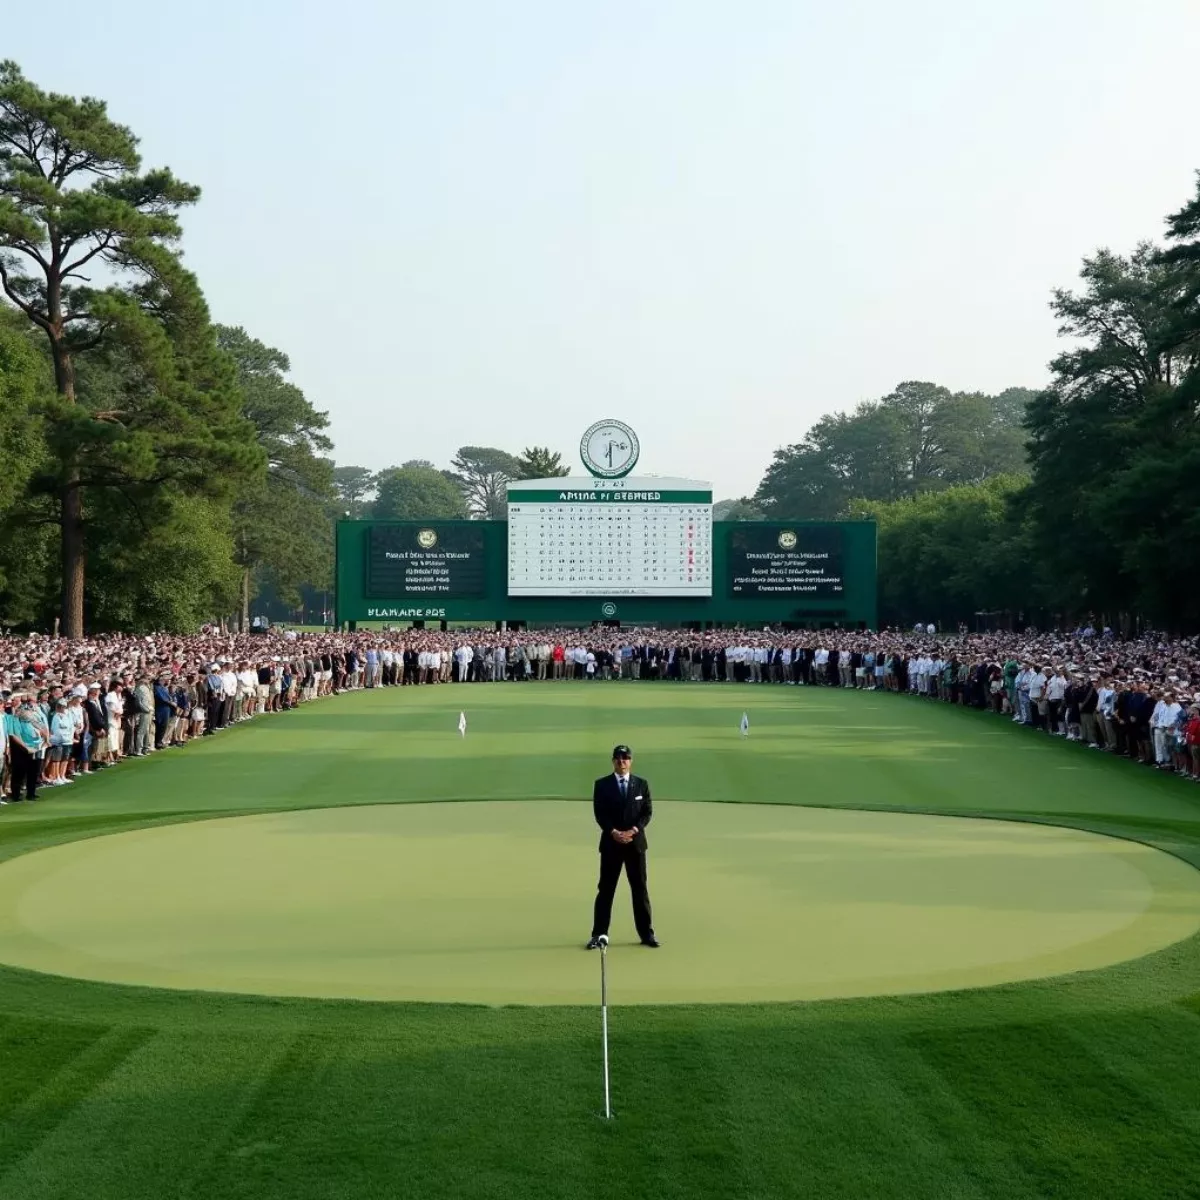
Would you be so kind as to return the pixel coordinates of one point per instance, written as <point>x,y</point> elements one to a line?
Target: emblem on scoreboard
<point>608,610</point>
<point>609,449</point>
<point>787,540</point>
<point>427,539</point>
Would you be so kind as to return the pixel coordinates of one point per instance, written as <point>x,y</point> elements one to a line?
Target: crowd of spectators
<point>72,708</point>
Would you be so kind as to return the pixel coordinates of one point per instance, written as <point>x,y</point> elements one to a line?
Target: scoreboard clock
<point>609,449</point>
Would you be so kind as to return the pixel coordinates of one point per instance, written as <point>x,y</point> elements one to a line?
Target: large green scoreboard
<point>627,557</point>
<point>607,546</point>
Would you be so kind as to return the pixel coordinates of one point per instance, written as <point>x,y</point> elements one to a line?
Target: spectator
<point>25,745</point>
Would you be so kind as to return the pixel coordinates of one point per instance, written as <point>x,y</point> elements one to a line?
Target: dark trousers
<point>612,860</point>
<point>24,769</point>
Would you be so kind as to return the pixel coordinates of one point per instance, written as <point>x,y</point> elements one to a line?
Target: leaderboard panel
<point>610,538</point>
<point>782,562</point>
<point>432,561</point>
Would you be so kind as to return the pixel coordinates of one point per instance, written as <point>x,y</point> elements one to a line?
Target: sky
<point>495,223</point>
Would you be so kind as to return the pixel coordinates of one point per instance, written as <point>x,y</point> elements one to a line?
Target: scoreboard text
<point>784,561</point>
<point>610,539</point>
<point>426,562</point>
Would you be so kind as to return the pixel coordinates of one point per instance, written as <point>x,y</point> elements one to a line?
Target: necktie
<point>624,786</point>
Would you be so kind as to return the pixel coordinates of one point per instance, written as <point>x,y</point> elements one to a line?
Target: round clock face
<point>427,539</point>
<point>787,540</point>
<point>609,449</point>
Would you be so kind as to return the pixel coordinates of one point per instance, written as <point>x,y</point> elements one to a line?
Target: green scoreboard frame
<point>803,573</point>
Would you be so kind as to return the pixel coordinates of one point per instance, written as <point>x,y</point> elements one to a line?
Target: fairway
<point>847,848</point>
<point>419,902</point>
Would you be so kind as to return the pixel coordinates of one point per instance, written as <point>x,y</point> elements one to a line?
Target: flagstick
<point>604,1022</point>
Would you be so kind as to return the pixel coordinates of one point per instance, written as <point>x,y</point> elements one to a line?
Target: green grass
<point>761,902</point>
<point>1081,1086</point>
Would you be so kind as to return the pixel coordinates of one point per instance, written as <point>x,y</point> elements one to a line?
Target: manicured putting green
<point>490,903</point>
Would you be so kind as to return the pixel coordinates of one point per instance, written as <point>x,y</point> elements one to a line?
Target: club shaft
<point>604,1027</point>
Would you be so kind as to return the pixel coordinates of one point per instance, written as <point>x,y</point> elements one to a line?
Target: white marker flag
<point>462,724</point>
<point>745,724</point>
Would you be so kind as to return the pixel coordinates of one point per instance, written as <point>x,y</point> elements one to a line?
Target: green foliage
<point>1115,441</point>
<point>481,473</point>
<point>919,438</point>
<point>27,561</point>
<point>159,412</point>
<point>353,489</point>
<point>25,384</point>
<point>540,462</point>
<point>166,566</point>
<point>417,493</point>
<point>29,565</point>
<point>946,555</point>
<point>737,510</point>
<point>281,522</point>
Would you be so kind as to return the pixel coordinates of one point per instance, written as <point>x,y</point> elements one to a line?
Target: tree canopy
<point>353,488</point>
<point>417,494</point>
<point>157,469</point>
<point>1115,442</point>
<point>920,437</point>
<point>483,473</point>
<point>76,207</point>
<point>947,555</point>
<point>540,462</point>
<point>281,524</point>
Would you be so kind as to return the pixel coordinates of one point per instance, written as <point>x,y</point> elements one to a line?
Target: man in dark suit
<point>621,803</point>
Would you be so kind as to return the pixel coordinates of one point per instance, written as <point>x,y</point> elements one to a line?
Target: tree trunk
<point>73,556</point>
<point>71,511</point>
<point>245,617</point>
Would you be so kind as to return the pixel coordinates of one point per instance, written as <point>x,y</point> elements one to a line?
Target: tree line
<point>473,487</point>
<point>1080,500</point>
<point>158,468</point>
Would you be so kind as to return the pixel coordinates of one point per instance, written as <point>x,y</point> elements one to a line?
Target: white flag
<point>462,724</point>
<point>745,724</point>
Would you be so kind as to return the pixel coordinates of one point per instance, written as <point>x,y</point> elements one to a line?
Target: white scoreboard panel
<point>609,537</point>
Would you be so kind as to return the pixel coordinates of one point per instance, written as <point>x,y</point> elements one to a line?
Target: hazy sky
<point>495,223</point>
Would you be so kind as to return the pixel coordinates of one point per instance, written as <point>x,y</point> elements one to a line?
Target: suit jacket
<point>614,813</point>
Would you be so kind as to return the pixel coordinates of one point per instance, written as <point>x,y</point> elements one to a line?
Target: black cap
<point>622,752</point>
